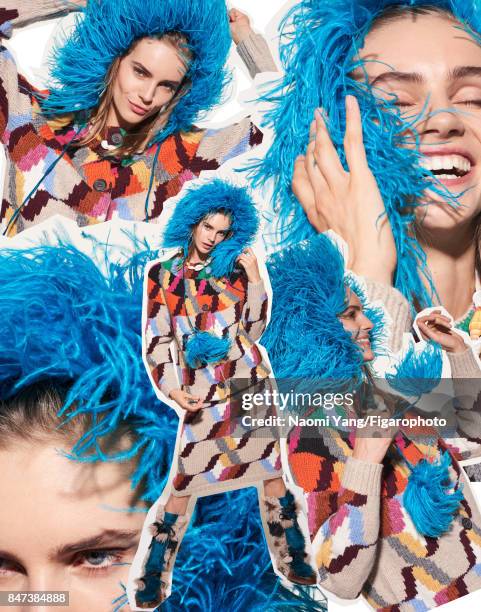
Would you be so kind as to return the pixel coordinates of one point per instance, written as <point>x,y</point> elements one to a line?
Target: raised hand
<point>248,261</point>
<point>240,25</point>
<point>348,202</point>
<point>439,328</point>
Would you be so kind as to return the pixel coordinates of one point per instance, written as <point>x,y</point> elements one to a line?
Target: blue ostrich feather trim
<point>319,46</point>
<point>106,29</point>
<point>206,199</point>
<point>418,372</point>
<point>305,339</point>
<point>431,497</point>
<point>205,347</point>
<point>65,323</point>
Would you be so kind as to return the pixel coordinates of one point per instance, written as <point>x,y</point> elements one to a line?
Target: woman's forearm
<point>18,13</point>
<point>256,55</point>
<point>345,547</point>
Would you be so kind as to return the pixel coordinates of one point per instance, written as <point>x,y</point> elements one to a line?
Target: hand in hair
<point>185,400</point>
<point>439,328</point>
<point>349,202</point>
<point>248,261</point>
<point>240,25</point>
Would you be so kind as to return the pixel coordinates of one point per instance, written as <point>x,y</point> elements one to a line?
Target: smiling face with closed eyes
<point>433,67</point>
<point>64,525</point>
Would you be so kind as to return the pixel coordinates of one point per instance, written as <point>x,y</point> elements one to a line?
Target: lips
<point>138,110</point>
<point>364,342</point>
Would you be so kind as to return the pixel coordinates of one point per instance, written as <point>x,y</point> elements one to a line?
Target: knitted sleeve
<point>466,375</point>
<point>220,145</point>
<point>13,14</point>
<point>345,546</point>
<point>159,336</point>
<point>18,13</point>
<point>254,313</point>
<point>256,55</point>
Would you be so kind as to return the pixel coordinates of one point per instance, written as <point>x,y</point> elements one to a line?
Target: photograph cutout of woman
<point>210,303</point>
<point>115,134</point>
<point>391,514</point>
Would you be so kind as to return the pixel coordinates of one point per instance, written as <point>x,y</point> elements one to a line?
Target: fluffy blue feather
<point>205,347</point>
<point>417,372</point>
<point>208,198</point>
<point>430,496</point>
<point>319,44</point>
<point>107,28</point>
<point>63,321</point>
<point>305,338</point>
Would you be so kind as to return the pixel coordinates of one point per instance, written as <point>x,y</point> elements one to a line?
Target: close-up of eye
<point>8,567</point>
<point>98,560</point>
<point>138,71</point>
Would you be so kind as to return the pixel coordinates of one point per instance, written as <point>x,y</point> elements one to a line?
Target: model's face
<point>358,325</point>
<point>209,232</point>
<point>147,79</point>
<point>62,527</point>
<point>434,69</point>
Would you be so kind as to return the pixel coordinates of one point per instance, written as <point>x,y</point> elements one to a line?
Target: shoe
<point>167,531</point>
<point>288,542</point>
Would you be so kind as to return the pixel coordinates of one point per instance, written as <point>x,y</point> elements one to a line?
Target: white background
<point>30,46</point>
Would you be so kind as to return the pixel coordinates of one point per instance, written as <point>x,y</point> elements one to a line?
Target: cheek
<point>123,82</point>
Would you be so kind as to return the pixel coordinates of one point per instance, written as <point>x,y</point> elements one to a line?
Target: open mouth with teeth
<point>447,166</point>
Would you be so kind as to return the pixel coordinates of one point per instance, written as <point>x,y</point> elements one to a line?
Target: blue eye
<point>96,557</point>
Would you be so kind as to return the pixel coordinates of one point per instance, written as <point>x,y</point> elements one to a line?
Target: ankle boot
<point>288,544</point>
<point>167,531</point>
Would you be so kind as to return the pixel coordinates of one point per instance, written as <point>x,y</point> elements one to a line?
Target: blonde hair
<point>137,141</point>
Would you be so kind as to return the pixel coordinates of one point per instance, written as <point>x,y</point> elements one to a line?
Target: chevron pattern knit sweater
<point>87,184</point>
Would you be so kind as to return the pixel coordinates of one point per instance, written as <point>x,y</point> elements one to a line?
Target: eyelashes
<point>91,562</point>
<point>98,561</point>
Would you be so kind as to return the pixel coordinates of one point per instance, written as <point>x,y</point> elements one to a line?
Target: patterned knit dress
<point>214,453</point>
<point>88,183</point>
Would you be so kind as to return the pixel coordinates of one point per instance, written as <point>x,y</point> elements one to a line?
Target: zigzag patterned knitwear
<point>212,456</point>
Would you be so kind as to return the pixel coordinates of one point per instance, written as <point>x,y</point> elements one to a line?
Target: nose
<point>441,122</point>
<point>366,323</point>
<point>47,578</point>
<point>147,93</point>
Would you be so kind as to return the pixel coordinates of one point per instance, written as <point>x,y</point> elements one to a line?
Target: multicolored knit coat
<point>178,298</point>
<point>87,183</point>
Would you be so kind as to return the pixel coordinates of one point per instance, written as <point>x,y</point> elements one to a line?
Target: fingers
<point>325,154</point>
<point>436,320</point>
<point>353,139</point>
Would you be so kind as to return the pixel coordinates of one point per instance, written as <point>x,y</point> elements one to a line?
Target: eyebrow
<point>460,72</point>
<point>108,537</point>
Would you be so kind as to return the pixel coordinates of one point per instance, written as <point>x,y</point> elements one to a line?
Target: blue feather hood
<point>305,338</point>
<point>207,199</point>
<point>109,27</point>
